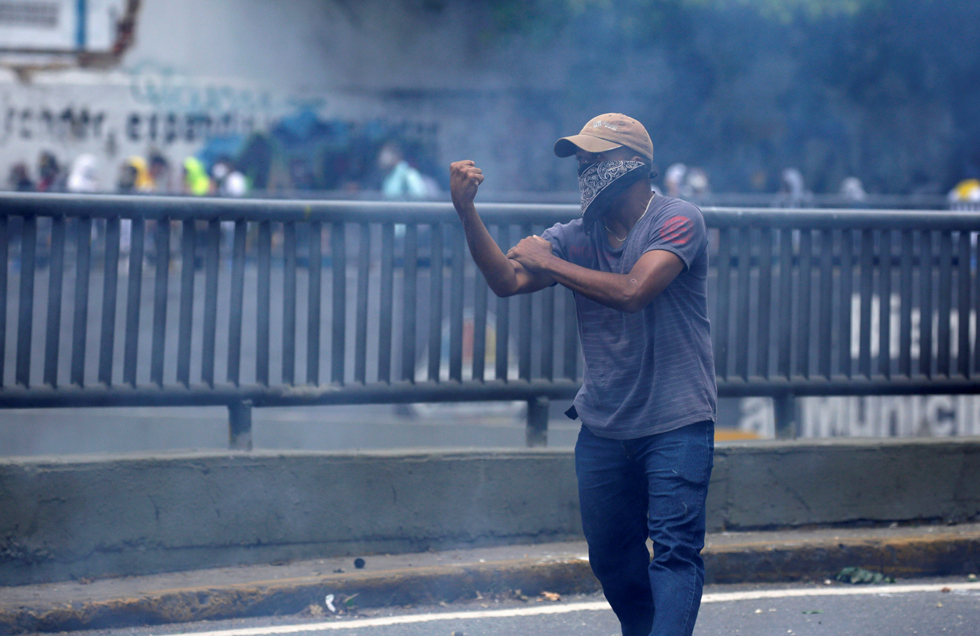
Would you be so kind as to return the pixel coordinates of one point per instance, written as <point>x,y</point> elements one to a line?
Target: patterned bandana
<point>600,184</point>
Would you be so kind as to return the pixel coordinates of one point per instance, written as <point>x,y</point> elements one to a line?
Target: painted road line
<point>720,597</point>
<point>728,597</point>
<point>405,620</point>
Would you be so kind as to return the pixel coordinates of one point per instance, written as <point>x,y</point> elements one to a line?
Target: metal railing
<point>151,301</point>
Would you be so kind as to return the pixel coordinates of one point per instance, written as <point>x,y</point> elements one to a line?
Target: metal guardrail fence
<point>278,303</point>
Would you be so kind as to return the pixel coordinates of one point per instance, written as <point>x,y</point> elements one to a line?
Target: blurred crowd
<point>134,175</point>
<point>273,163</point>
<point>391,175</point>
<point>692,183</point>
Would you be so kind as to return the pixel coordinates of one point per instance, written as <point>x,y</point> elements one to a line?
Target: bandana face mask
<point>600,184</point>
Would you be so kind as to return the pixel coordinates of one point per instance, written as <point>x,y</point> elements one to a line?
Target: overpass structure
<point>797,310</point>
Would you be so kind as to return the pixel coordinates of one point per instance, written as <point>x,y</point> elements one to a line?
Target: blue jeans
<point>656,486</point>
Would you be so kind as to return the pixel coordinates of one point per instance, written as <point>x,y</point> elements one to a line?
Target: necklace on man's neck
<point>627,231</point>
<point>613,234</point>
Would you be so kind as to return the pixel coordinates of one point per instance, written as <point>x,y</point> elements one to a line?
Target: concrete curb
<point>938,554</point>
<point>756,562</point>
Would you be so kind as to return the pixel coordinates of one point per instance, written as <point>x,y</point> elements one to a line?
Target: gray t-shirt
<point>651,371</point>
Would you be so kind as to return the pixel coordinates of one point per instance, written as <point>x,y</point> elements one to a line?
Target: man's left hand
<point>531,252</point>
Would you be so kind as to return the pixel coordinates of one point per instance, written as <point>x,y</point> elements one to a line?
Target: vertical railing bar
<point>263,303</point>
<point>805,302</point>
<point>338,260</point>
<point>963,306</point>
<point>825,305</point>
<point>548,336</point>
<point>975,306</point>
<point>386,323</point>
<point>209,333</point>
<point>763,327</point>
<point>313,302</point>
<point>722,306</point>
<point>503,313</point>
<point>83,256</point>
<point>133,296</point>
<point>4,255</point>
<point>846,300</point>
<point>524,327</point>
<point>186,320</point>
<point>885,305</point>
<point>110,275</point>
<point>905,311</point>
<point>161,282</point>
<point>289,303</point>
<point>867,289</point>
<point>570,336</point>
<point>236,302</point>
<point>925,305</point>
<point>361,326</point>
<point>945,302</point>
<point>436,263</point>
<point>457,286</point>
<point>744,239</point>
<point>56,274</point>
<point>411,290</point>
<point>480,309</point>
<point>25,316</point>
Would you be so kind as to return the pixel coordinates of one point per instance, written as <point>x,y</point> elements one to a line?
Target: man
<point>637,264</point>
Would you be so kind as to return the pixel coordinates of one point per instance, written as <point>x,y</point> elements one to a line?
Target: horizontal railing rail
<point>145,301</point>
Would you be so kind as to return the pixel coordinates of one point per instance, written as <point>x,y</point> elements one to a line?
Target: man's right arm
<point>505,276</point>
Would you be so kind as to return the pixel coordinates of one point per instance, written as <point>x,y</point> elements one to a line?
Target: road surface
<point>950,607</point>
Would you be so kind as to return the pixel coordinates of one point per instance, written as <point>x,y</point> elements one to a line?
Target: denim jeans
<point>652,486</point>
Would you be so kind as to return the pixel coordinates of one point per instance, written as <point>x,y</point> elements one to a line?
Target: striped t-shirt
<point>651,371</point>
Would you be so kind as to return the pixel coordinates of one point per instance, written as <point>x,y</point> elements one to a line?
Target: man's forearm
<point>493,263</point>
<point>617,291</point>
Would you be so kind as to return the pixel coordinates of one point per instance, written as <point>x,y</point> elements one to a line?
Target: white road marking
<point>720,597</point>
<point>404,620</point>
<point>724,597</point>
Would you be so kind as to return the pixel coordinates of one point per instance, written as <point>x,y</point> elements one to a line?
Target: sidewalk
<point>432,577</point>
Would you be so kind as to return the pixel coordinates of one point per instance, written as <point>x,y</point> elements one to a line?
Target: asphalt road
<point>950,607</point>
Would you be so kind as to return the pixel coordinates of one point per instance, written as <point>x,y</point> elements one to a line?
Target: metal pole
<point>537,422</point>
<point>240,425</point>
<point>785,411</point>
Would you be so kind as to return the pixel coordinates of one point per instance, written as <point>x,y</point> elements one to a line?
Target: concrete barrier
<point>82,517</point>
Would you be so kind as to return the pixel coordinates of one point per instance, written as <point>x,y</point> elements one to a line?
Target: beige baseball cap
<point>607,132</point>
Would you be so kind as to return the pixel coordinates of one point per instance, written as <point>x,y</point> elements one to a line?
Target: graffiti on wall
<point>870,416</point>
<point>48,125</point>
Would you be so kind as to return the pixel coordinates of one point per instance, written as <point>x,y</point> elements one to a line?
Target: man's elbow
<point>631,307</point>
<point>631,302</point>
<point>502,290</point>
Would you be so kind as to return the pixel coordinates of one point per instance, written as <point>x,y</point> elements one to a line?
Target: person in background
<point>50,177</point>
<point>792,191</point>
<point>697,183</point>
<point>674,180</point>
<point>965,195</point>
<point>400,180</point>
<point>196,180</point>
<point>84,175</point>
<point>228,181</point>
<point>134,177</point>
<point>19,179</point>
<point>160,173</point>
<point>852,189</point>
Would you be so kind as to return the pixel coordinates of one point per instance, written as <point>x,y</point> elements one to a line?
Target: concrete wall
<point>86,517</point>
